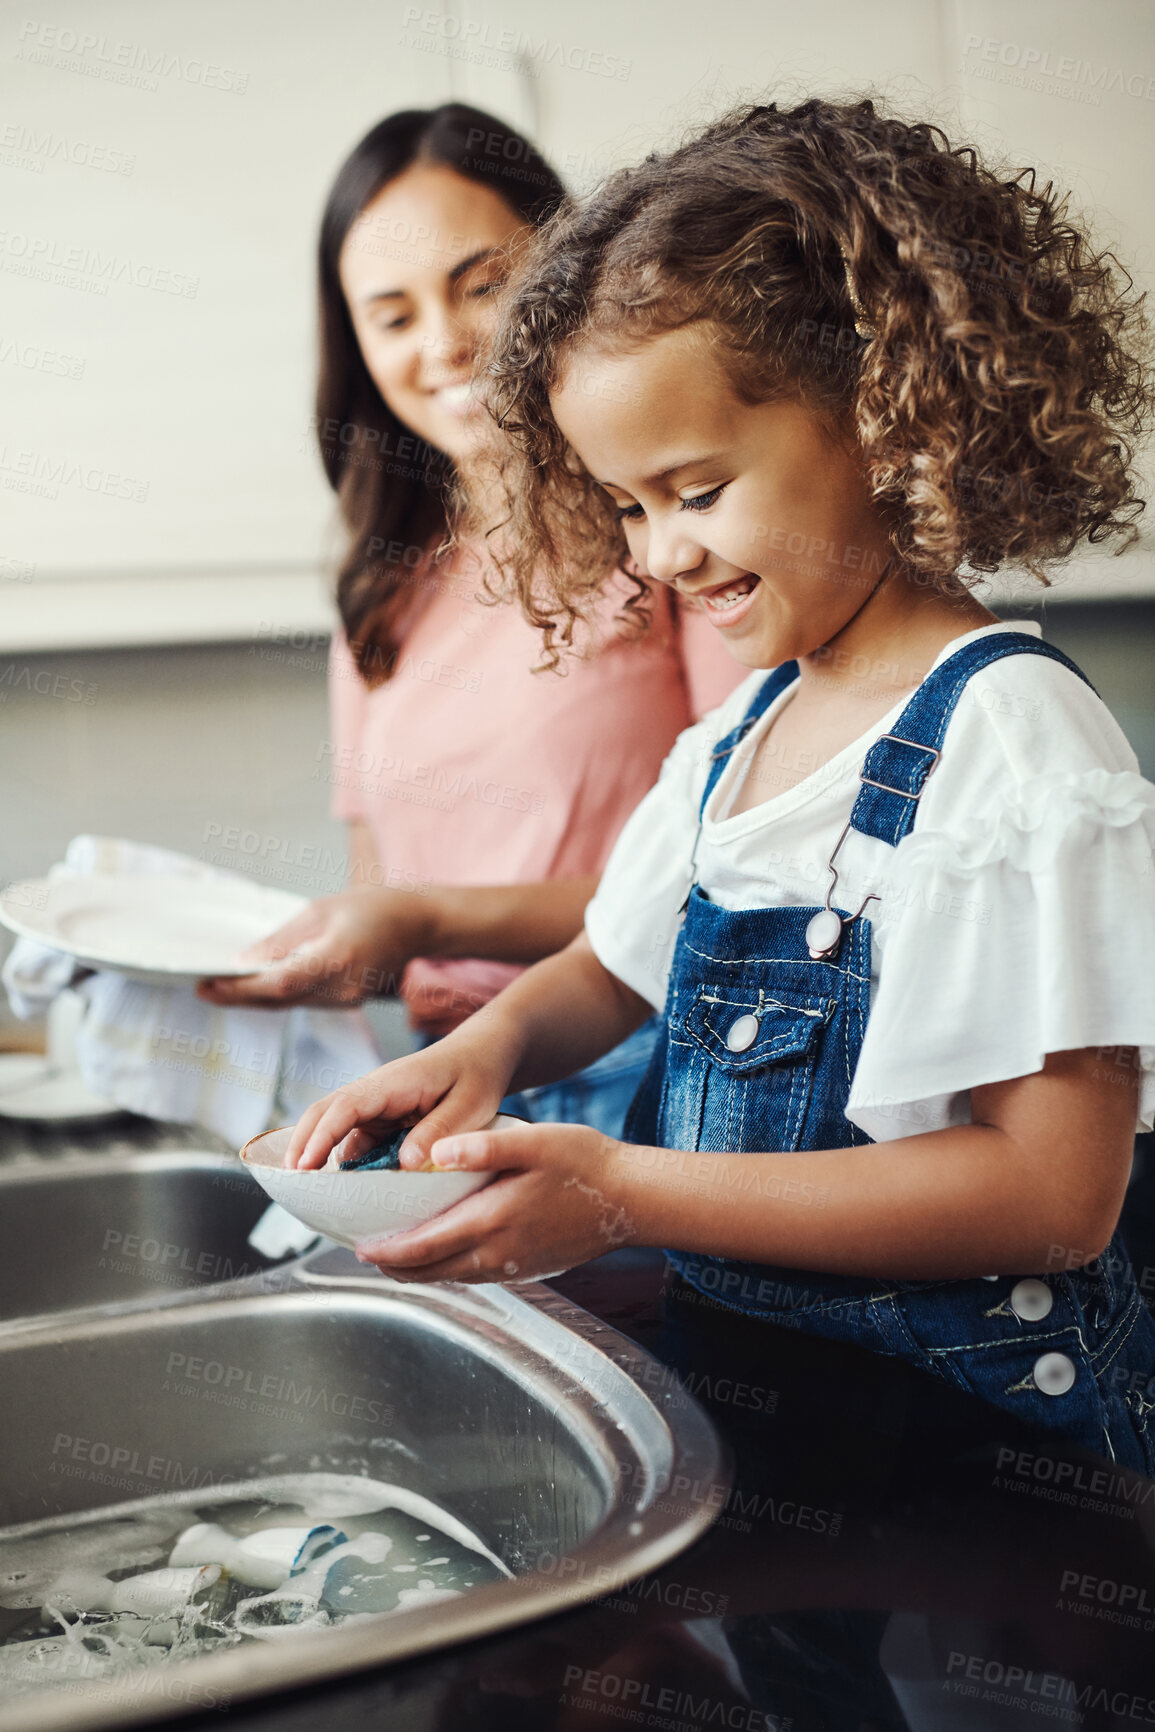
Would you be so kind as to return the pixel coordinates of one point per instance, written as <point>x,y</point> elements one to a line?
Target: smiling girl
<point>894,898</point>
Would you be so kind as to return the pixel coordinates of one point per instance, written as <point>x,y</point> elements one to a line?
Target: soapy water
<point>103,1594</point>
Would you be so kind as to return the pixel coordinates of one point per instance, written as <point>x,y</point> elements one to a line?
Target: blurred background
<point>167,536</point>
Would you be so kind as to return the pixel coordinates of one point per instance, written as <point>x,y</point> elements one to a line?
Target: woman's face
<point>419,268</point>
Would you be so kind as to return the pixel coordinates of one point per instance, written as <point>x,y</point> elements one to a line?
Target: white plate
<point>38,1091</point>
<point>149,926</point>
<point>349,1207</point>
<point>18,1069</point>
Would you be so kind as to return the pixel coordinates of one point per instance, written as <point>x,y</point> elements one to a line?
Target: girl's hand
<point>560,1200</point>
<point>457,1084</point>
<point>340,950</point>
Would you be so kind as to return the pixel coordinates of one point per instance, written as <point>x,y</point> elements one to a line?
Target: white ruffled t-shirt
<point>1017,918</point>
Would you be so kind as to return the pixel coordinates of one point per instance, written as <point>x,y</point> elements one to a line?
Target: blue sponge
<point>385,1157</point>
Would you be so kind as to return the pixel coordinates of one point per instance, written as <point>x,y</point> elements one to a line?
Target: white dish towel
<point>163,1052</point>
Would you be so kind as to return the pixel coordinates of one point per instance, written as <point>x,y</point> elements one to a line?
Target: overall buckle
<point>915,746</point>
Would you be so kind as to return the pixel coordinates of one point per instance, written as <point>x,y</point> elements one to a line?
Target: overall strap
<point>897,765</point>
<point>774,683</point>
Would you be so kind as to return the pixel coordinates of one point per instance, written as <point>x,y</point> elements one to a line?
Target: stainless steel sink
<point>571,1454</point>
<point>100,1230</point>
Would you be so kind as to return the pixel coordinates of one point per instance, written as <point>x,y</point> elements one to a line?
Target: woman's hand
<point>340,950</point>
<point>560,1200</point>
<point>457,1084</point>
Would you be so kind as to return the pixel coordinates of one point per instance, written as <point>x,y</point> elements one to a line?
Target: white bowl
<point>349,1207</point>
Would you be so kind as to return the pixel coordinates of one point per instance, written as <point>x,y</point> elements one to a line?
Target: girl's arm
<point>558,1017</point>
<point>344,949</point>
<point>1035,1183</point>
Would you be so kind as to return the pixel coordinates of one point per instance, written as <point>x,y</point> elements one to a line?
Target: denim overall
<point>1072,1350</point>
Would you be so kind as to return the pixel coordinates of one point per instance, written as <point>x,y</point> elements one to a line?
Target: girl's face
<point>419,268</point>
<point>755,512</point>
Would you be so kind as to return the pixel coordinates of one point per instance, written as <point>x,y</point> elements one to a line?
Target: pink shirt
<point>468,768</point>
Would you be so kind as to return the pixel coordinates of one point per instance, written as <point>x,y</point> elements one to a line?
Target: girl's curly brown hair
<point>992,365</point>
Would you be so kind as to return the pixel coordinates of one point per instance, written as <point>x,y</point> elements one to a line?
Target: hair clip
<point>862,322</point>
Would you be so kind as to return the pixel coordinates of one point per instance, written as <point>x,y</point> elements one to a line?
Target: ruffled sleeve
<point>1026,931</point>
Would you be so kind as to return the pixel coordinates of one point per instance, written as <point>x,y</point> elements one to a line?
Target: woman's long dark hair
<point>392,487</point>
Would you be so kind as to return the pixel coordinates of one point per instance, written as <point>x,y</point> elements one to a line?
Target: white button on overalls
<point>742,1033</point>
<point>823,932</point>
<point>1031,1300</point>
<point>1054,1374</point>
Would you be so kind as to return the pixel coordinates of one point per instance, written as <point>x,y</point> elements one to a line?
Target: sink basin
<point>550,1437</point>
<point>100,1230</point>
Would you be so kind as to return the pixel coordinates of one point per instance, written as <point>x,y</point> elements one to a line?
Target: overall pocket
<point>742,1064</point>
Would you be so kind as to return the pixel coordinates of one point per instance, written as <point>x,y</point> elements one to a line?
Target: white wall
<point>162,168</point>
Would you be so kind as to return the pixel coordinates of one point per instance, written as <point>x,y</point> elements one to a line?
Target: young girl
<point>895,896</point>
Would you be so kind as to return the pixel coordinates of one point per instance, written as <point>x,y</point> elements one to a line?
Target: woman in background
<point>482,798</point>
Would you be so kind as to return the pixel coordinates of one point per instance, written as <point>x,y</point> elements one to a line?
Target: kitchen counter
<point>893,1554</point>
